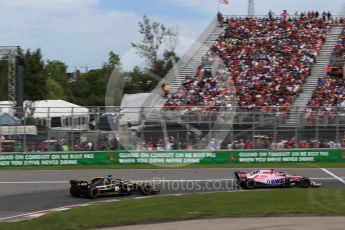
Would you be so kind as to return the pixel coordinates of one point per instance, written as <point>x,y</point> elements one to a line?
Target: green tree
<point>35,81</point>
<point>89,88</point>
<point>56,91</point>
<point>57,71</point>
<point>156,36</point>
<point>113,61</point>
<point>136,80</point>
<point>162,66</point>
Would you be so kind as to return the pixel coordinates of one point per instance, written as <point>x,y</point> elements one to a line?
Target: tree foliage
<point>89,88</point>
<point>56,91</point>
<point>35,81</point>
<point>56,71</point>
<point>139,82</point>
<point>113,61</point>
<point>156,37</point>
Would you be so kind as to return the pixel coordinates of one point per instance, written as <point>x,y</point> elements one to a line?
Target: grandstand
<point>318,71</point>
<point>273,66</point>
<point>267,60</point>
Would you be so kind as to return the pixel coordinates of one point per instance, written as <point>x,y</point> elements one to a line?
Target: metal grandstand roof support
<point>251,8</point>
<point>10,53</point>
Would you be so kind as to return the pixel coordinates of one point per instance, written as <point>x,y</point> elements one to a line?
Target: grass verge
<point>171,208</point>
<point>192,166</point>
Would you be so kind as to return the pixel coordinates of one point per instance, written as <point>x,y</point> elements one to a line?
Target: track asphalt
<point>24,191</point>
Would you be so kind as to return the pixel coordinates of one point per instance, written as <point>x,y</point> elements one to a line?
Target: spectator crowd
<point>266,63</point>
<point>329,96</point>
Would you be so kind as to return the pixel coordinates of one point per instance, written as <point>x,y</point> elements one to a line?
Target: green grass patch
<point>192,166</point>
<point>171,208</point>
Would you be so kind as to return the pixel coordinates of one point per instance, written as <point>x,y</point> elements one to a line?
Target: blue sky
<point>82,32</point>
<point>157,8</point>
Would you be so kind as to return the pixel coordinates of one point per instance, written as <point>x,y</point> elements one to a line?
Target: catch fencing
<point>182,128</point>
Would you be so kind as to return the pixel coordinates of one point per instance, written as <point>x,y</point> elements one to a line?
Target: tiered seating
<point>268,61</point>
<point>329,96</point>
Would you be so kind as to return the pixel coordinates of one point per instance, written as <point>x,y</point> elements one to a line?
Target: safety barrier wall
<point>172,157</point>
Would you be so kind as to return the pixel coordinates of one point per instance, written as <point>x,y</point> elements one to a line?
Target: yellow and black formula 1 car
<point>107,186</point>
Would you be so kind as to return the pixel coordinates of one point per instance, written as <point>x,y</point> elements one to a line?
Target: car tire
<point>250,184</point>
<point>146,189</point>
<point>240,184</point>
<point>74,192</point>
<point>305,182</point>
<point>94,193</point>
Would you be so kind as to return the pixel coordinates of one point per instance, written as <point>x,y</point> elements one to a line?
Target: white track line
<point>33,182</point>
<point>333,175</point>
<point>325,178</point>
<point>25,214</point>
<point>38,213</point>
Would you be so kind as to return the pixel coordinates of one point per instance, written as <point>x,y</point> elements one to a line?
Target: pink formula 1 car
<point>272,178</point>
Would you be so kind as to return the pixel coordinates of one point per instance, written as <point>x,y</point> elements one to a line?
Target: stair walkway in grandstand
<point>318,71</point>
<point>195,60</point>
<point>187,65</point>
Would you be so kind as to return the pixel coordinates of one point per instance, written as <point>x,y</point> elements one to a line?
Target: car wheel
<point>94,193</point>
<point>146,189</point>
<point>305,182</point>
<point>240,184</point>
<point>74,192</point>
<point>250,184</point>
<point>127,189</point>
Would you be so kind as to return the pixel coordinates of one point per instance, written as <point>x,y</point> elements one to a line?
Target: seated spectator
<point>329,96</point>
<point>266,63</point>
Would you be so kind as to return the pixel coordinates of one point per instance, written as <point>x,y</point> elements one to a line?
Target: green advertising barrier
<point>56,159</point>
<point>172,157</point>
<point>288,156</point>
<point>232,156</point>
